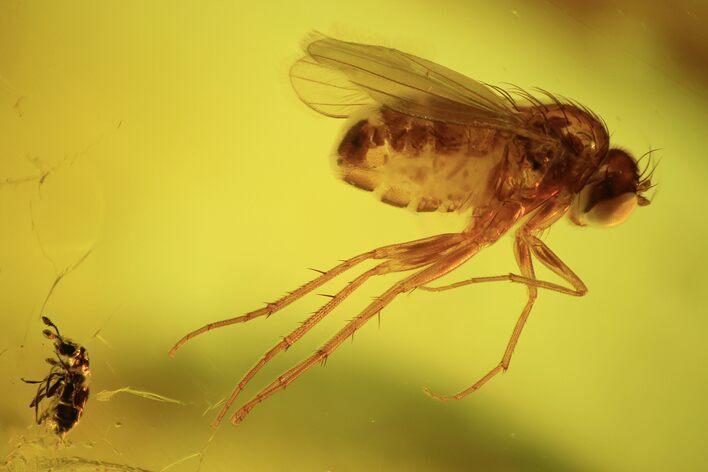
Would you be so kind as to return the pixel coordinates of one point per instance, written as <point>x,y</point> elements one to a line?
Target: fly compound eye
<point>613,211</point>
<point>608,212</point>
<point>611,194</point>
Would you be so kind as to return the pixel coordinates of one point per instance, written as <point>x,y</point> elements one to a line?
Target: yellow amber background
<point>171,143</point>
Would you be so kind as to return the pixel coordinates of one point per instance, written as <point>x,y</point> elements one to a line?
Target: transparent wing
<point>336,78</point>
<point>327,90</point>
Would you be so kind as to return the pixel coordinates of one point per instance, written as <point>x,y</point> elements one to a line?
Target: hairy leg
<point>523,258</point>
<point>298,333</point>
<point>526,243</point>
<point>434,270</point>
<point>409,249</point>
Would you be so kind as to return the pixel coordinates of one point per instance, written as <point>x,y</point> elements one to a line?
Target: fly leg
<point>277,305</point>
<point>526,243</point>
<point>299,332</point>
<point>407,256</point>
<point>273,307</point>
<point>523,258</point>
<point>436,268</point>
<point>525,240</point>
<point>553,262</point>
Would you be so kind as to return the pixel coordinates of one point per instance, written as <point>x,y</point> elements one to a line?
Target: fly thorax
<point>581,131</point>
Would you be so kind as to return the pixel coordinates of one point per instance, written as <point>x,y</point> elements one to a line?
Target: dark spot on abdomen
<point>448,138</point>
<point>396,124</point>
<point>354,144</point>
<point>357,141</point>
<point>418,136</point>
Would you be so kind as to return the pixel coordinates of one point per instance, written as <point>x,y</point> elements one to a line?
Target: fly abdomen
<point>358,141</point>
<point>417,163</point>
<point>369,142</point>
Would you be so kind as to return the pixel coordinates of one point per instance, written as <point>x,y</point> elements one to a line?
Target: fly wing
<point>338,78</point>
<point>327,90</point>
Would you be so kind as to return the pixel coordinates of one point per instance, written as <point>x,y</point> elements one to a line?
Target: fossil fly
<point>421,136</point>
<point>66,385</point>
